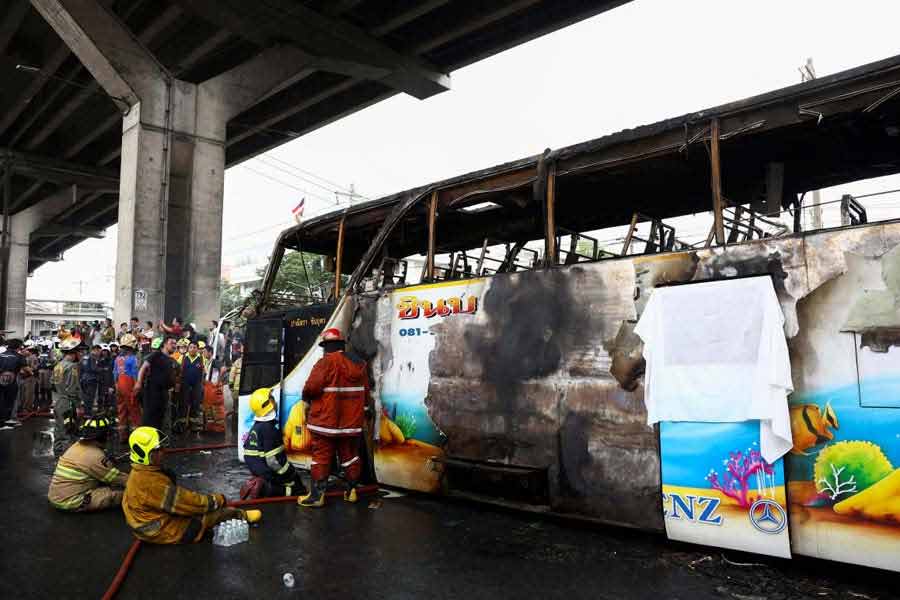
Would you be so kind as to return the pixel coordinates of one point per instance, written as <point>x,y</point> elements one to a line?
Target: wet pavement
<point>394,546</point>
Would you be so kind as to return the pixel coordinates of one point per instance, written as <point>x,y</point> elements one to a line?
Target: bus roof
<point>818,129</point>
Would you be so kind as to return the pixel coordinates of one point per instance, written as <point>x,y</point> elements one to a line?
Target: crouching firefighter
<point>337,392</point>
<point>161,512</point>
<point>264,453</point>
<point>84,477</point>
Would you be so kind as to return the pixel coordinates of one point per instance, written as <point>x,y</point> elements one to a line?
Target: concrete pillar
<point>172,180</point>
<point>18,280</point>
<point>140,254</point>
<point>205,239</point>
<point>22,225</point>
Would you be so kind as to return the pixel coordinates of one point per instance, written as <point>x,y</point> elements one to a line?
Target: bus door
<point>718,375</point>
<point>261,366</point>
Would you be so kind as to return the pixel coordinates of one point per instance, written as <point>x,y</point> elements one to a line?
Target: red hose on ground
<point>117,581</point>
<point>363,489</point>
<point>24,416</point>
<point>198,448</point>
<point>113,588</point>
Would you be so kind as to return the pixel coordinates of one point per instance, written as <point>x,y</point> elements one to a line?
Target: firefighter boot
<point>316,496</point>
<point>253,516</point>
<point>350,494</point>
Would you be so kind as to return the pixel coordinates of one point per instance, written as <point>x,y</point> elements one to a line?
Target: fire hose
<point>132,551</point>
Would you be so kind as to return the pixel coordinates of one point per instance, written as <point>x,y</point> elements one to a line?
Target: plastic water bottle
<point>245,531</point>
<point>229,533</point>
<point>220,535</point>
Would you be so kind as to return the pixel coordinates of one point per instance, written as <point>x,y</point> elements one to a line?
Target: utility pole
<point>351,195</point>
<point>808,73</point>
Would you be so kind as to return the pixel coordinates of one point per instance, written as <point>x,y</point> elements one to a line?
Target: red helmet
<point>332,334</point>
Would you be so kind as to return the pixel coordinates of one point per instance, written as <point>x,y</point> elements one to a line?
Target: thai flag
<point>297,211</point>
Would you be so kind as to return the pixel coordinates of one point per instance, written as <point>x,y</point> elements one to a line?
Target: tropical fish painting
<point>812,426</point>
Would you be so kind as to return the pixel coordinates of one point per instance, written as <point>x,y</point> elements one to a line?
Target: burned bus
<point>497,312</point>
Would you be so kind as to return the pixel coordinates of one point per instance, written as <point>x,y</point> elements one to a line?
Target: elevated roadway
<point>129,111</point>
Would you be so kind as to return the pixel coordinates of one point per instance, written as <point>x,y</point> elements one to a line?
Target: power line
<point>309,181</point>
<point>308,173</point>
<point>267,228</point>
<point>286,184</point>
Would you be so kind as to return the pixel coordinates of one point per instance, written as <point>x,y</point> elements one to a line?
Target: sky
<point>640,63</point>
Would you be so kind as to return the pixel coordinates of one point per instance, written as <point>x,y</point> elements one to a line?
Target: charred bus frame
<point>562,413</point>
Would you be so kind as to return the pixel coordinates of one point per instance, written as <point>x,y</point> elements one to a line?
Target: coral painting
<point>846,489</point>
<point>739,503</point>
<point>736,479</point>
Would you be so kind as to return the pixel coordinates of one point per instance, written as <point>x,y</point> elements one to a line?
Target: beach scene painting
<point>844,470</point>
<point>717,490</point>
<point>409,446</point>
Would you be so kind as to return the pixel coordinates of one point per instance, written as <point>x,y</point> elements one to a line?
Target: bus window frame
<point>544,191</point>
<point>278,258</point>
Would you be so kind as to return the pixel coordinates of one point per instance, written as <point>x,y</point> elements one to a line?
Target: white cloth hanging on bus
<point>716,352</point>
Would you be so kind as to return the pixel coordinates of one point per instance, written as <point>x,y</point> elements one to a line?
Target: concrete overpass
<point>129,111</point>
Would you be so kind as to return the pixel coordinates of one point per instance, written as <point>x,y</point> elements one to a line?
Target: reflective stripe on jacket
<point>337,390</point>
<point>158,510</point>
<point>264,452</point>
<point>82,468</point>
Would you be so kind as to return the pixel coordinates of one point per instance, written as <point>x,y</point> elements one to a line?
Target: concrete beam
<point>98,131</point>
<point>78,200</point>
<point>57,230</point>
<point>122,66</point>
<point>280,115</point>
<point>333,41</point>
<point>483,19</point>
<point>47,258</point>
<point>330,37</point>
<point>202,51</point>
<point>241,87</point>
<point>57,57</point>
<point>47,70</point>
<point>14,15</point>
<point>22,198</point>
<point>338,7</point>
<point>399,20</point>
<point>58,171</point>
<point>189,62</point>
<point>47,100</point>
<point>61,116</point>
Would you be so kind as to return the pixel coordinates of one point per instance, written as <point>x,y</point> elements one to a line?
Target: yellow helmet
<point>261,402</point>
<point>142,442</point>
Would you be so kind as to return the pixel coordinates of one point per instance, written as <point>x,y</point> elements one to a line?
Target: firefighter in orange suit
<point>336,392</point>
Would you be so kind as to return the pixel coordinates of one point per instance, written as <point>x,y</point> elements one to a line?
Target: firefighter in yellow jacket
<point>84,477</point>
<point>161,512</point>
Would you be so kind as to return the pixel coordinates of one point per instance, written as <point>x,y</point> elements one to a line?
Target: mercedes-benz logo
<point>768,516</point>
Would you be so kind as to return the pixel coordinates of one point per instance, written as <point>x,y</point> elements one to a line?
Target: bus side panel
<point>844,470</point>
<point>544,372</point>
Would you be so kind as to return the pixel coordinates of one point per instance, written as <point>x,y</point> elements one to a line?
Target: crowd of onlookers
<point>102,357</point>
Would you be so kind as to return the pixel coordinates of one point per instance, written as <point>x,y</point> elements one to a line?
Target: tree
<point>231,297</point>
<point>300,277</point>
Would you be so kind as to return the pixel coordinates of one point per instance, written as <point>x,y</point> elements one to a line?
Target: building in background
<point>42,317</point>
